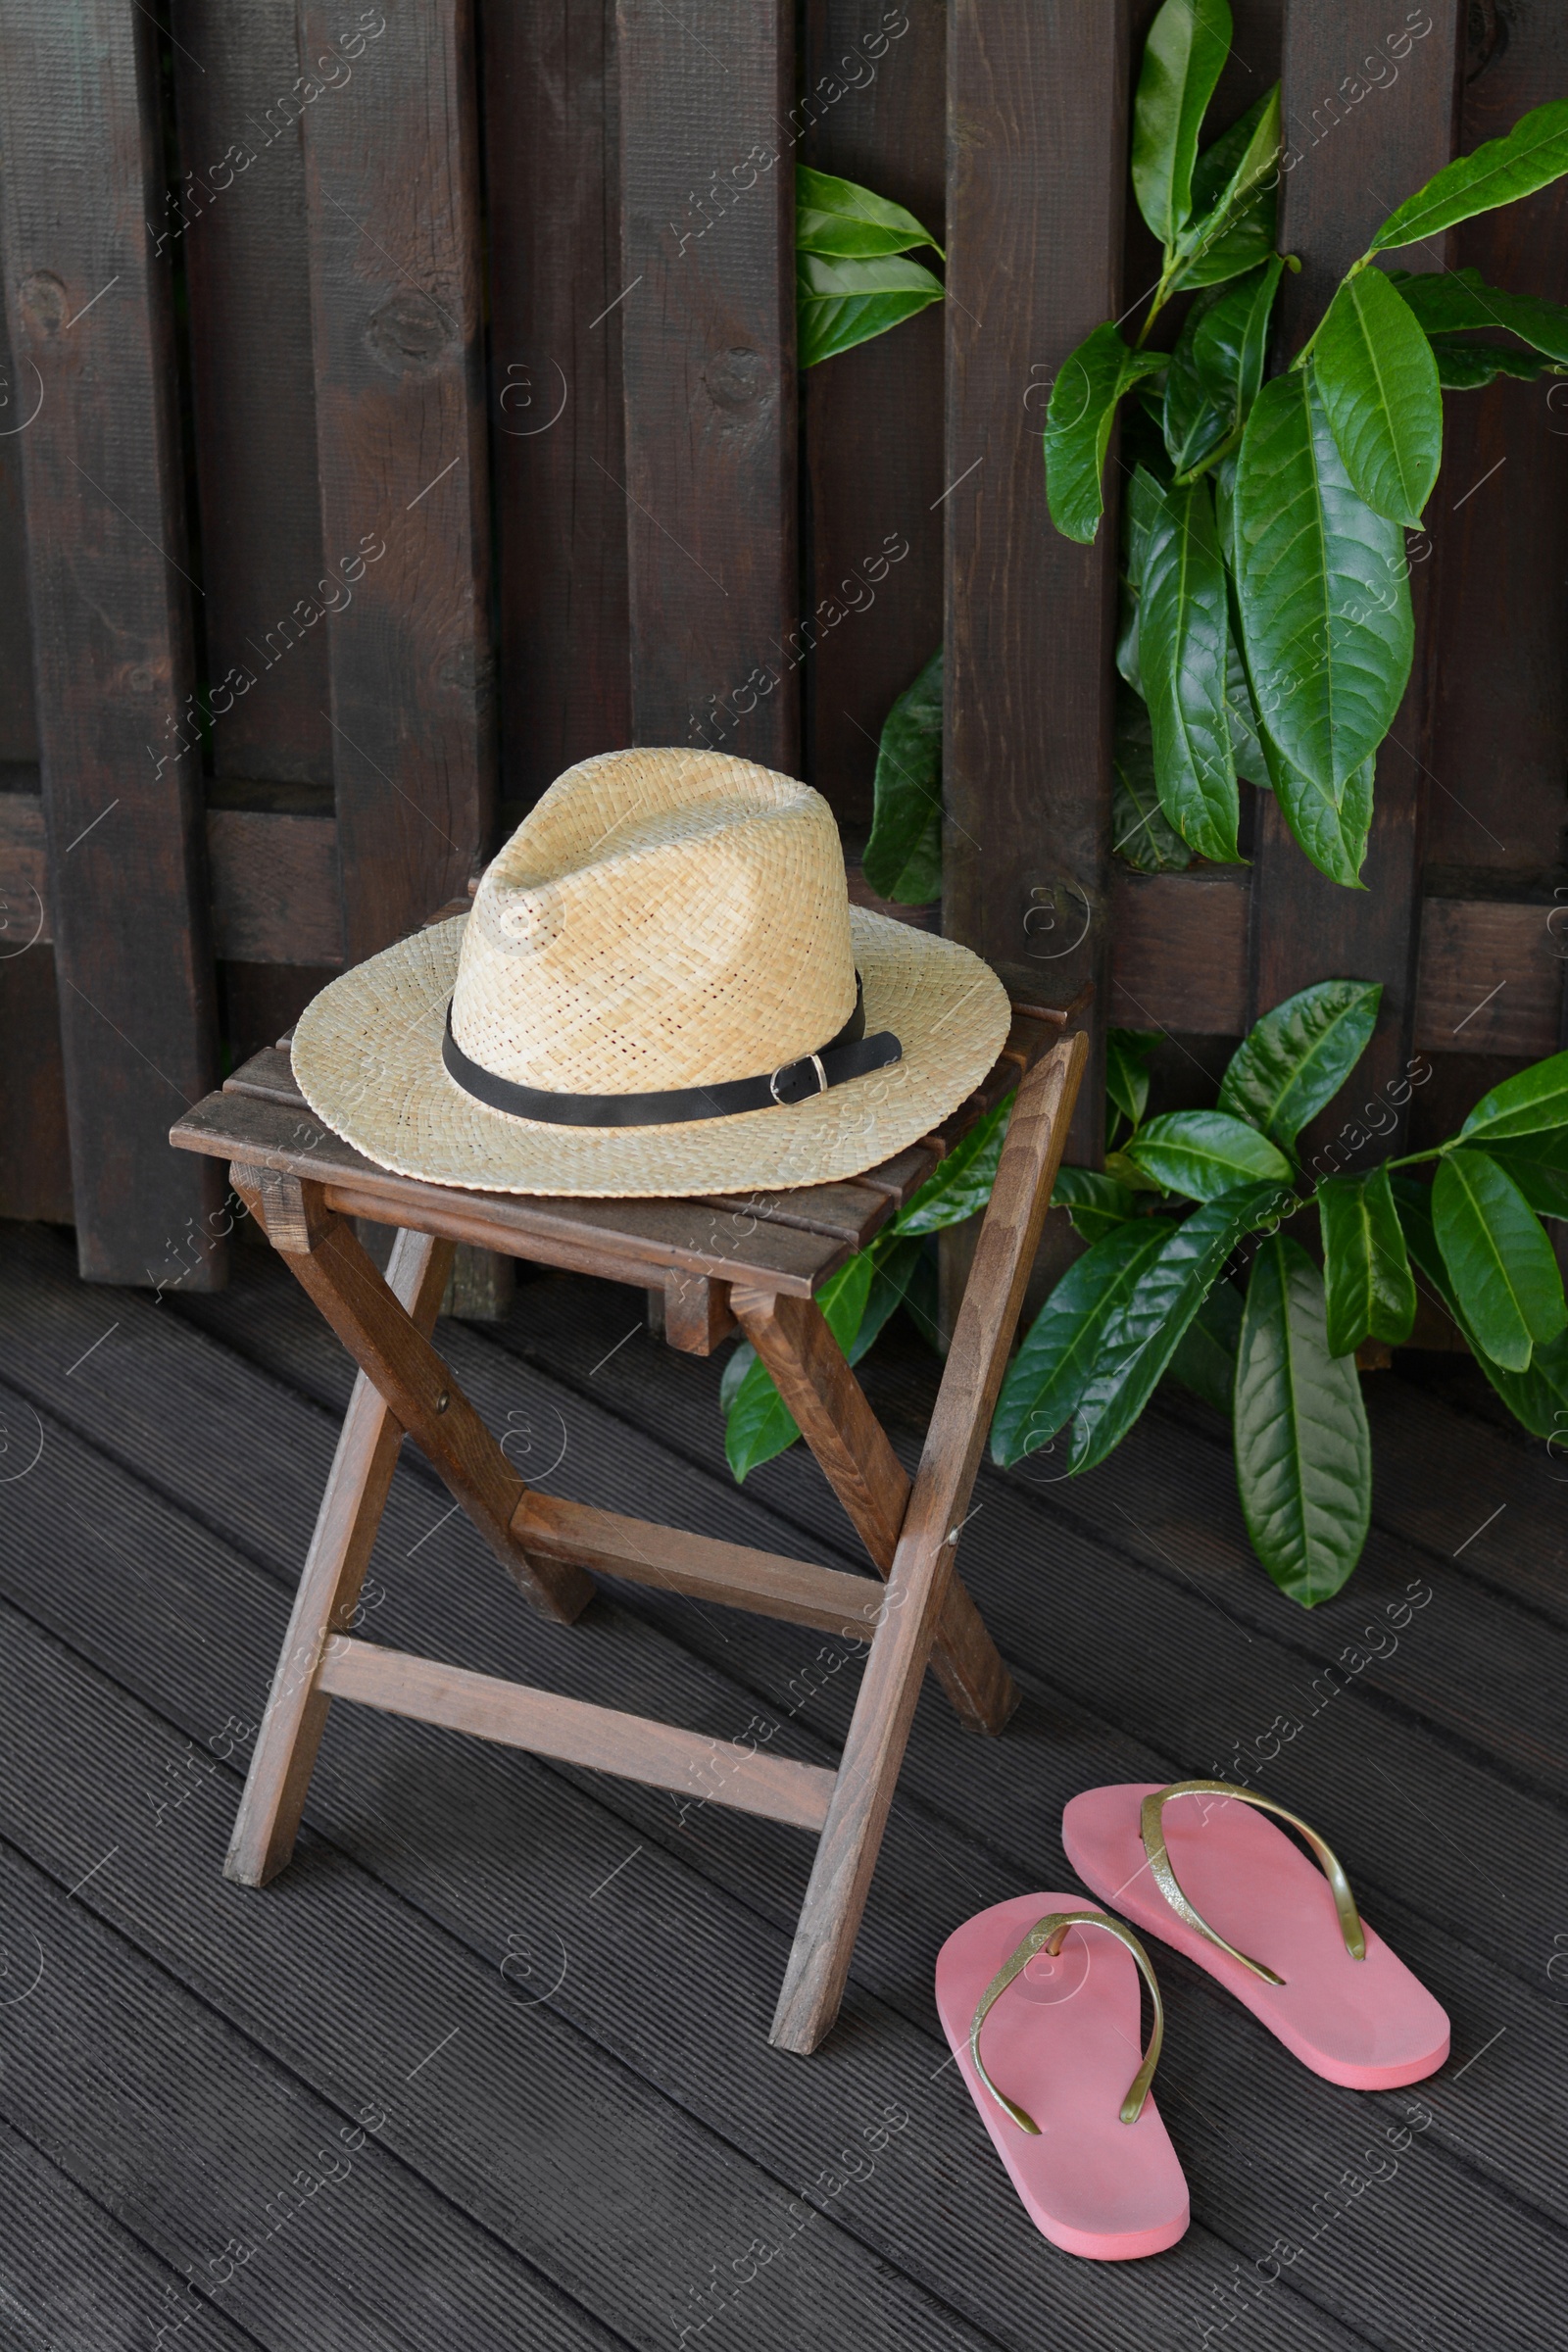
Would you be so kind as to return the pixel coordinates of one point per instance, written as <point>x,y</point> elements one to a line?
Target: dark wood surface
<point>877,82</point>
<point>392,191</point>
<point>1037,154</point>
<point>707,298</point>
<point>92,337</point>
<point>1353,165</point>
<point>557,434</point>
<point>580,2150</point>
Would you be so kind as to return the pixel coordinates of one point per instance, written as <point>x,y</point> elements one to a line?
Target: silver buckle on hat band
<point>815,1060</point>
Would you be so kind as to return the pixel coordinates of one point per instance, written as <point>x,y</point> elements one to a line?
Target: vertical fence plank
<point>236,223</point>
<point>1348,162</point>
<point>557,438</point>
<point>876,82</point>
<point>91,330</point>
<point>707,340</point>
<point>391,165</point>
<point>1037,131</point>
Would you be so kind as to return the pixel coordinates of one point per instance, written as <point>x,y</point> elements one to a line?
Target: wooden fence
<point>401,403</point>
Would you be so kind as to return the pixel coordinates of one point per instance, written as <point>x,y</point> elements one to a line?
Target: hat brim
<point>367,1060</point>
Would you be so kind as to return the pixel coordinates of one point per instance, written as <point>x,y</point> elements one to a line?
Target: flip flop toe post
<point>1040,2006</point>
<point>1197,1865</point>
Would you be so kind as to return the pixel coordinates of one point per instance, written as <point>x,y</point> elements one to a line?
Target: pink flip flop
<point>1059,2088</point>
<point>1193,1864</point>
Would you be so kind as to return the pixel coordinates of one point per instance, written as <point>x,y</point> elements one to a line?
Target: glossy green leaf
<point>1469,366</point>
<point>1235,199</point>
<point>1140,830</point>
<point>1538,1166</point>
<point>848,223</point>
<point>1230,343</point>
<point>1145,1333</point>
<point>1527,1105</point>
<point>1537,1396</point>
<point>759,1424</point>
<point>895,1266</point>
<point>1096,1203</point>
<point>1195,423</point>
<point>961,1183</point>
<point>1378,384</point>
<point>1332,829</point>
<point>1533,154</point>
<point>1127,1053</point>
<point>903,858</point>
<point>1366,1269</point>
<point>1321,581</point>
<point>1051,1369</point>
<point>1247,748</point>
<point>1295,1061</point>
<point>1183,57</point>
<point>1205,1154</point>
<point>1303,1452</point>
<point>1499,1261</point>
<point>1183,633</point>
<point>1451,301</point>
<point>842,303</point>
<point>1078,420</point>
<point>1204,1358</point>
<point>1128,1172</point>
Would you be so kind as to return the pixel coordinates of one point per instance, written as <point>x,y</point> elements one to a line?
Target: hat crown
<point>660,919</point>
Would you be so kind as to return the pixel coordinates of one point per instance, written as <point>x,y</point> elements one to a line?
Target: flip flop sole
<point>1063,2041</point>
<point>1369,2025</point>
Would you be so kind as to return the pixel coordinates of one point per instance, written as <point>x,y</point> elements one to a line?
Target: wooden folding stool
<point>718,1263</point>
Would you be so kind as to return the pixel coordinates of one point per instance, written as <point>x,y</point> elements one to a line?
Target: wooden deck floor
<point>487,2066</point>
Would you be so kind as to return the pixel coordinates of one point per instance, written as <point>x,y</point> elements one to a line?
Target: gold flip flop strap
<point>1167,1881</point>
<point>1050,1933</point>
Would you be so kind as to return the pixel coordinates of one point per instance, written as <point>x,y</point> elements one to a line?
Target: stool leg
<point>922,1573</point>
<point>346,1528</point>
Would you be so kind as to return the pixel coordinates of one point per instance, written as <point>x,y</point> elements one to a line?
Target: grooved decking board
<point>492,1847</point>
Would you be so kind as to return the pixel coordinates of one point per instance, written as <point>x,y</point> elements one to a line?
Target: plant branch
<point>1232,440</point>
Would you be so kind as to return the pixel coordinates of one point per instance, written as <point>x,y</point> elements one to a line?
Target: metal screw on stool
<point>442,1402</point>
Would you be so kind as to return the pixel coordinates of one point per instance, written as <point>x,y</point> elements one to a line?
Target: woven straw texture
<point>367,1060</point>
<point>660,919</point>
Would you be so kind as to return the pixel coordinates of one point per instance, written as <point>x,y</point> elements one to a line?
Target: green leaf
<point>1183,57</point>
<point>1127,1172</point>
<point>895,1265</point>
<point>961,1183</point>
<point>1527,1105</point>
<point>1500,1262</point>
<point>1378,384</point>
<point>1536,1396</point>
<point>1303,1452</point>
<point>1193,422</point>
<point>1295,1061</point>
<point>1183,631</point>
<point>1078,420</point>
<point>1247,748</point>
<point>1206,1154</point>
<point>904,856</point>
<point>1236,199</point>
<point>1230,344</point>
<point>1323,588</point>
<point>1205,1359</point>
<point>1330,829</point>
<point>838,217</point>
<point>839,304</point>
<point>1140,833</point>
<point>1534,153</point>
<point>1096,1203</point>
<point>759,1424</point>
<point>1538,1166</point>
<point>1451,301</point>
<point>1468,366</point>
<point>1054,1366</point>
<point>1127,1053</point>
<point>1145,1333</point>
<point>1366,1270</point>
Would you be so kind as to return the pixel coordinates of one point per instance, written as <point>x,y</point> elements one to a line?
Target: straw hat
<point>662,988</point>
